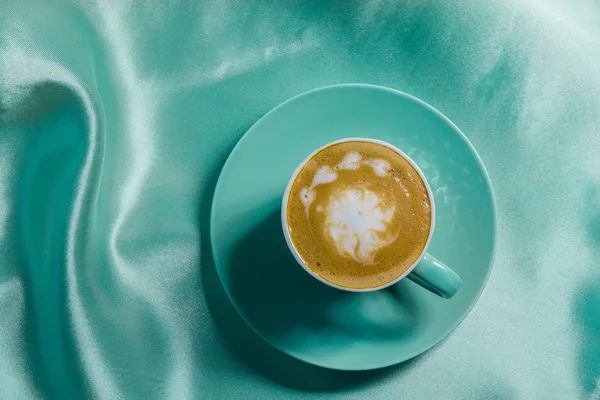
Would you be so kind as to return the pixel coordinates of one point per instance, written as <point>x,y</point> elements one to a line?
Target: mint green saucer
<point>300,315</point>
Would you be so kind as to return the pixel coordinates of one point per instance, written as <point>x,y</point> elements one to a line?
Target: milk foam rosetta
<point>359,214</point>
<point>357,221</point>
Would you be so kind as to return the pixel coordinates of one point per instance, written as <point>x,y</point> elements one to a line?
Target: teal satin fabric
<point>116,117</point>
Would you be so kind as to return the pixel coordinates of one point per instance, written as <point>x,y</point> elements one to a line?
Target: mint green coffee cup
<point>426,271</point>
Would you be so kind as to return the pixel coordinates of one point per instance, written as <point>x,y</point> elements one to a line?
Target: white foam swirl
<point>356,220</point>
<point>350,161</point>
<point>381,167</point>
<point>324,175</point>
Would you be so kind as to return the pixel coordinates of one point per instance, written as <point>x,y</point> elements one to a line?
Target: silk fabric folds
<point>116,117</point>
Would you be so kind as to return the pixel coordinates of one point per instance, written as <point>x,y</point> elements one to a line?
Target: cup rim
<point>284,223</point>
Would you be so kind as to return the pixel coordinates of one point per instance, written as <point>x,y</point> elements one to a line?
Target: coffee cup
<point>358,215</point>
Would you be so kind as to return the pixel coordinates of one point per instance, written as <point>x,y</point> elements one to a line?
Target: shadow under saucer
<point>296,293</point>
<point>295,312</point>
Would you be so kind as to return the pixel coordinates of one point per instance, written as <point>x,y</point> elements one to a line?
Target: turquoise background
<point>116,117</point>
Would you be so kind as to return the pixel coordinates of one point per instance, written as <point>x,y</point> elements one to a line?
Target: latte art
<point>357,221</point>
<point>358,214</point>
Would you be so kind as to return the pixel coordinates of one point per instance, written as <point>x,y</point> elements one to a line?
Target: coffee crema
<point>358,214</point>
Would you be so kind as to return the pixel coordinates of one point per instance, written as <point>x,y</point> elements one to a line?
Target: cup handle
<point>434,276</point>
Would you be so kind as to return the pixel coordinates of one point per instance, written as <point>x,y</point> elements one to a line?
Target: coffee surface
<point>358,214</point>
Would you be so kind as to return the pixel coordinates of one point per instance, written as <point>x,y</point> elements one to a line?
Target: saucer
<point>300,315</point>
